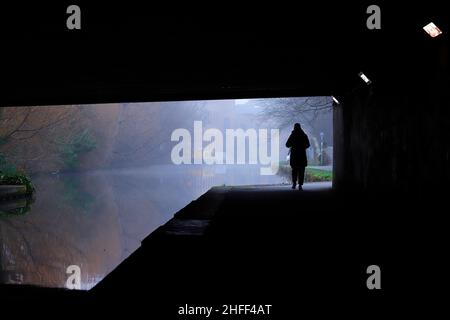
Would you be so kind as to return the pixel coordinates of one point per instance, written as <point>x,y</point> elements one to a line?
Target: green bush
<point>317,175</point>
<point>17,179</point>
<point>9,175</point>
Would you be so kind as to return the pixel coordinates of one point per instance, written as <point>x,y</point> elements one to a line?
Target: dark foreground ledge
<point>301,252</point>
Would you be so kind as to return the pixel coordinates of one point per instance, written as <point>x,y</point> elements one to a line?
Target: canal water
<point>95,220</point>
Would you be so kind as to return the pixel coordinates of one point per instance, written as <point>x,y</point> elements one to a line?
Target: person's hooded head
<point>297,127</point>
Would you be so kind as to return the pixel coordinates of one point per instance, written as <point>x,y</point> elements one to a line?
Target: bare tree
<point>21,123</point>
<point>27,134</point>
<point>145,129</point>
<point>285,111</point>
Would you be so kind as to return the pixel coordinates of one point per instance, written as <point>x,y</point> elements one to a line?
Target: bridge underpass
<point>391,174</point>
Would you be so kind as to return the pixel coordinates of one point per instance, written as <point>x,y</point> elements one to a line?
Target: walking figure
<point>298,142</point>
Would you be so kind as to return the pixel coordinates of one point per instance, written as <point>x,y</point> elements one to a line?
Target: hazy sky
<point>241,101</point>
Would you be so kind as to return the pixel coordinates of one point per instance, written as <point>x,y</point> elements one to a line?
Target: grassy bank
<point>311,174</point>
<point>315,175</point>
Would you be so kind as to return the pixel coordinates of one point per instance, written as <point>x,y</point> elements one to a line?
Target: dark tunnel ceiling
<point>138,53</point>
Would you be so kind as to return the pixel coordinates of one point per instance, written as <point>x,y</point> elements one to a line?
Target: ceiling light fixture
<point>364,77</point>
<point>432,30</point>
<point>335,100</point>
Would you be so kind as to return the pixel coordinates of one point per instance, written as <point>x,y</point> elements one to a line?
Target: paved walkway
<point>259,242</point>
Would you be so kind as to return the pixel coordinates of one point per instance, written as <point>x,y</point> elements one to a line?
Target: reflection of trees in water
<point>56,233</point>
<point>75,194</point>
<point>15,207</point>
<point>24,263</point>
<point>96,220</point>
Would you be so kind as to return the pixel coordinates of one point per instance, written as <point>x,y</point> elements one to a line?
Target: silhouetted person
<point>298,142</point>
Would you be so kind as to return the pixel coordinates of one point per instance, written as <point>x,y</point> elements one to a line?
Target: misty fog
<point>107,175</point>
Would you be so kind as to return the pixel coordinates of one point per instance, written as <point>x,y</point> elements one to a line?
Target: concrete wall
<point>395,137</point>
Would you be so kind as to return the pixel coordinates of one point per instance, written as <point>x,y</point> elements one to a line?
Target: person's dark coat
<point>298,142</point>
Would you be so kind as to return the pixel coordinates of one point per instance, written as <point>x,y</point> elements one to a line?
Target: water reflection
<point>95,220</point>
<point>15,206</point>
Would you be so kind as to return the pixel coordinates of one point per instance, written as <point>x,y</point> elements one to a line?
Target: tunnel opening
<point>111,174</point>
